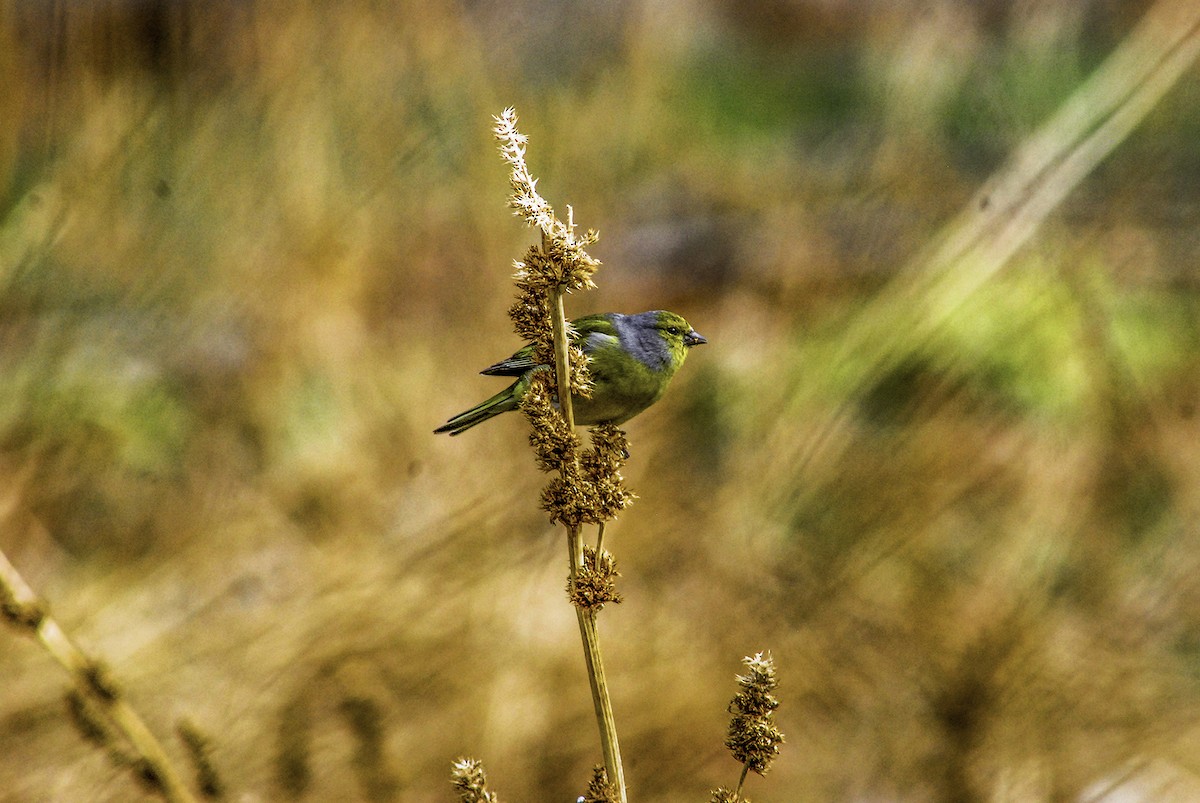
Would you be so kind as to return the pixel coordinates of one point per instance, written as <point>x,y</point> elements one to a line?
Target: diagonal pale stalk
<point>121,714</point>
<point>1013,204</point>
<point>587,619</point>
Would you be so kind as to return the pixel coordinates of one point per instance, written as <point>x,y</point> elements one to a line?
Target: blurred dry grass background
<point>251,253</point>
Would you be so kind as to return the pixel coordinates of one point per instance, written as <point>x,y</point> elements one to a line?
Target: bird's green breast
<point>622,388</point>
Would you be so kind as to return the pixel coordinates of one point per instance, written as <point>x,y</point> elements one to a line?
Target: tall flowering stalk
<point>587,487</point>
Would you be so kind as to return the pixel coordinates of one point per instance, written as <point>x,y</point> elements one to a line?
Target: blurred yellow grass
<point>253,253</point>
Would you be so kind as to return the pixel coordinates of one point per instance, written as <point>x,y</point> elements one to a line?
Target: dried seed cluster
<point>595,583</point>
<point>601,466</point>
<point>599,790</point>
<point>470,781</point>
<point>589,490</point>
<point>753,738</point>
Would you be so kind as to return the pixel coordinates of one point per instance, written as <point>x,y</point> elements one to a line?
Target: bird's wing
<point>595,332</point>
<point>515,365</point>
<point>591,324</point>
<point>591,332</point>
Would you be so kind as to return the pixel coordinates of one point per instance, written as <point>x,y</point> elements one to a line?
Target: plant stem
<point>562,362</point>
<point>575,550</point>
<point>737,793</point>
<point>587,619</point>
<point>602,701</point>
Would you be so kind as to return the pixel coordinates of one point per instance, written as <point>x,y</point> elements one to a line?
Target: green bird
<point>632,359</point>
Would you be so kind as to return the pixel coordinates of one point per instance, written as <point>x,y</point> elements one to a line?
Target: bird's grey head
<point>640,339</point>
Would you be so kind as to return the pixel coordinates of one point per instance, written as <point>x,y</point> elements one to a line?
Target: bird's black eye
<point>673,330</point>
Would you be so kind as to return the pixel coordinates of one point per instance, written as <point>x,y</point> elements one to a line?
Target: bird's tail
<point>502,402</point>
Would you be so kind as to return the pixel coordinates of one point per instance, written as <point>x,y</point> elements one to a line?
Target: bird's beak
<point>694,338</point>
